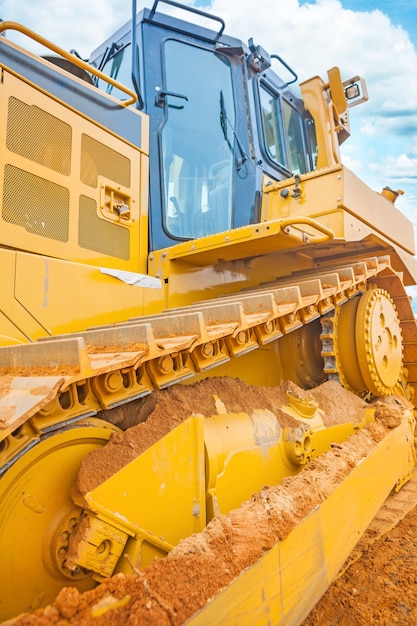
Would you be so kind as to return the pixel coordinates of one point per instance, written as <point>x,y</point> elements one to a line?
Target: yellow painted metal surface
<point>339,200</point>
<point>159,498</point>
<point>285,584</point>
<point>379,342</point>
<point>362,343</point>
<point>111,364</point>
<point>73,183</point>
<point>245,452</point>
<point>44,288</point>
<point>97,184</point>
<point>233,443</point>
<point>315,100</point>
<point>37,508</point>
<point>337,90</point>
<point>333,198</point>
<point>202,468</point>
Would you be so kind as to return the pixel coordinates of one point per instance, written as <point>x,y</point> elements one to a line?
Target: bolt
<point>208,349</point>
<point>114,381</point>
<point>166,364</point>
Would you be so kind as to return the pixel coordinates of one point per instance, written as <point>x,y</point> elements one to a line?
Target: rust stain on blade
<point>21,397</point>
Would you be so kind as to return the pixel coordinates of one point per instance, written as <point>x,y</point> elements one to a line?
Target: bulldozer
<point>174,212</point>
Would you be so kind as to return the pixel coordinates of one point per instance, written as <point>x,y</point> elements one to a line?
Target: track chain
<point>55,381</point>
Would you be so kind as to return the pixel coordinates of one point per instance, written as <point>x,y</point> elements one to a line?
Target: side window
<point>294,133</point>
<point>271,117</point>
<point>311,134</point>
<point>118,66</point>
<point>283,132</point>
<point>197,141</point>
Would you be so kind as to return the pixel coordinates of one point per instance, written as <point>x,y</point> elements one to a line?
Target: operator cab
<point>220,121</point>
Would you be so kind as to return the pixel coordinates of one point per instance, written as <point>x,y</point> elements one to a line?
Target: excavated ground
<point>379,589</point>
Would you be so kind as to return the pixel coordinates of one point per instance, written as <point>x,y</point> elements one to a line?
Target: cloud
<point>68,23</point>
<point>412,292</point>
<point>318,35</point>
<point>400,169</point>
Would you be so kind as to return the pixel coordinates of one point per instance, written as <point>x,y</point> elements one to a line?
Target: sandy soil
<point>379,589</point>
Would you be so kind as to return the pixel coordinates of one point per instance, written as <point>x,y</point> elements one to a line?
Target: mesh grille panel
<point>38,136</point>
<point>99,235</point>
<point>99,160</point>
<point>36,204</point>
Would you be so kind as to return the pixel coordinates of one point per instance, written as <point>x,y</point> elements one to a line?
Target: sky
<point>376,39</point>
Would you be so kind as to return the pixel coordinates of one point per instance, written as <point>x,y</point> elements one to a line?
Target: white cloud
<point>352,163</point>
<point>401,169</point>
<point>68,23</point>
<point>316,36</point>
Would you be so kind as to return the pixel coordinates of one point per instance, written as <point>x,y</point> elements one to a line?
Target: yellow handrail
<point>70,57</point>
<point>327,233</point>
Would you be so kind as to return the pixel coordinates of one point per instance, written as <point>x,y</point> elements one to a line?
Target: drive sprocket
<point>362,344</point>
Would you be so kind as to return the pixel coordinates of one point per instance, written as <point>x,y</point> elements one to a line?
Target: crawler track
<point>56,382</point>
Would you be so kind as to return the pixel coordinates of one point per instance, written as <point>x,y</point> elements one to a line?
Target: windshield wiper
<point>224,120</point>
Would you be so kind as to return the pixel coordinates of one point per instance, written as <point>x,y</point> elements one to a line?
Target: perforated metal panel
<point>100,235</point>
<point>62,180</point>
<point>38,136</point>
<point>38,205</point>
<point>100,160</point>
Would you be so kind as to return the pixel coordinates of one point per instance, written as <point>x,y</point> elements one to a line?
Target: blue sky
<point>376,39</point>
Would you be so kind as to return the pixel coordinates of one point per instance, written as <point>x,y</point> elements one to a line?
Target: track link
<point>69,377</point>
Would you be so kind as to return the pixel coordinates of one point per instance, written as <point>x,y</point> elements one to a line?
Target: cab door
<point>191,105</point>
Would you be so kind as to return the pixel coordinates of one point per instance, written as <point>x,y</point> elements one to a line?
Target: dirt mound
<point>147,420</point>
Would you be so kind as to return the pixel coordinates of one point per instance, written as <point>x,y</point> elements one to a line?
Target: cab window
<point>118,66</point>
<point>283,132</point>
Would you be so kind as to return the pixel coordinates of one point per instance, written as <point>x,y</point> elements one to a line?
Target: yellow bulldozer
<point>175,219</point>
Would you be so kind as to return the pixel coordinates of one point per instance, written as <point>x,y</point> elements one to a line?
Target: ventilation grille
<point>100,235</point>
<point>36,204</point>
<point>38,136</point>
<point>99,160</point>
